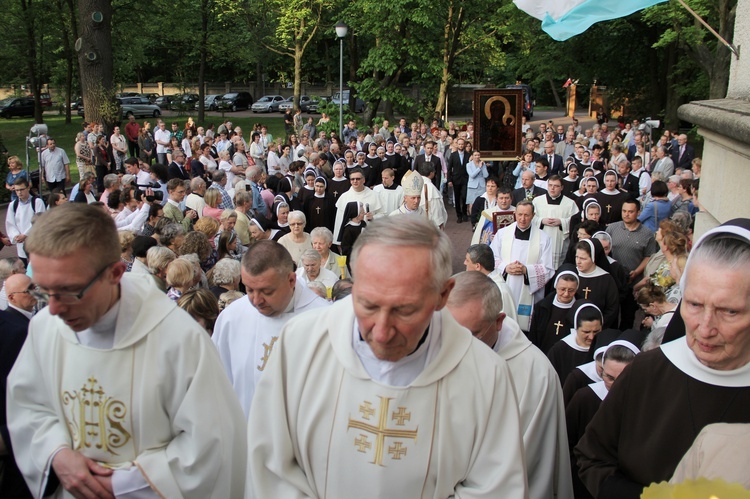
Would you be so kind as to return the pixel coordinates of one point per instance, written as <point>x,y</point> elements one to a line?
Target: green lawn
<point>15,130</point>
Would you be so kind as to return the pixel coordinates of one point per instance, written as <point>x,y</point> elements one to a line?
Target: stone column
<point>725,127</point>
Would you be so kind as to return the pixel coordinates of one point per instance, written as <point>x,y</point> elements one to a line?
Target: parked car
<point>528,99</point>
<point>267,104</point>
<point>16,106</point>
<point>304,103</point>
<point>164,101</point>
<point>316,102</point>
<point>210,102</point>
<point>359,104</point>
<point>138,106</point>
<point>183,102</point>
<point>120,95</point>
<point>235,101</point>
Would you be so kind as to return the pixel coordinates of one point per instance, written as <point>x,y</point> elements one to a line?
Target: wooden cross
<point>587,291</point>
<point>559,325</point>
<point>609,207</point>
<point>317,210</point>
<point>335,194</point>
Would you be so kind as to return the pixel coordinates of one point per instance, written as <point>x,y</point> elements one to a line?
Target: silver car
<point>138,107</point>
<point>209,102</point>
<point>304,103</point>
<point>267,104</point>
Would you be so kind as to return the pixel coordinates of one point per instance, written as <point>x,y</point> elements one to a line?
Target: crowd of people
<point>582,286</point>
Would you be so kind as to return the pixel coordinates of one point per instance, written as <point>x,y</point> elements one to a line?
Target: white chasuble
<point>559,236</point>
<point>246,338</point>
<point>157,400</point>
<point>321,427</point>
<point>381,432</point>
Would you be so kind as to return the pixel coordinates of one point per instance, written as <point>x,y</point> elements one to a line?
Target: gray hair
<point>197,183</point>
<point>310,254</point>
<point>297,215</point>
<point>6,267</point>
<point>226,271</point>
<point>170,232</point>
<point>483,255</point>
<point>319,287</point>
<point>158,257</point>
<point>408,231</point>
<point>218,175</point>
<point>322,232</point>
<point>721,250</point>
<point>111,180</point>
<point>475,286</point>
<point>683,219</point>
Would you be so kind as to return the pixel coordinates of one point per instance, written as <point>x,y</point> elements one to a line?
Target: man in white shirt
<point>19,215</point>
<point>363,398</point>
<point>56,166</point>
<point>162,137</point>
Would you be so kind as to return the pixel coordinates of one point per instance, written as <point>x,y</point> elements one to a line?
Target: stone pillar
<point>725,127</point>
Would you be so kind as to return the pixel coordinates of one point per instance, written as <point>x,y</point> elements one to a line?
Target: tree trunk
<point>671,120</point>
<point>202,67</point>
<point>66,33</point>
<point>558,102</point>
<point>298,53</point>
<point>95,62</point>
<point>29,27</point>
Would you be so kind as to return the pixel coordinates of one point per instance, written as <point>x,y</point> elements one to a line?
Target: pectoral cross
<point>609,207</point>
<point>317,210</point>
<point>557,329</point>
<point>335,194</point>
<point>587,291</point>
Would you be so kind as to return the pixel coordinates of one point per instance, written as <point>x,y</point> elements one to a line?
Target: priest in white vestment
<point>412,184</point>
<point>361,194</point>
<point>523,254</point>
<point>432,199</point>
<point>117,391</point>
<point>391,194</point>
<point>246,331</point>
<point>476,305</point>
<point>369,398</point>
<point>553,212</point>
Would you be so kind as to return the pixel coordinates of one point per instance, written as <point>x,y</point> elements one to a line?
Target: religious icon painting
<point>497,121</point>
<point>502,219</point>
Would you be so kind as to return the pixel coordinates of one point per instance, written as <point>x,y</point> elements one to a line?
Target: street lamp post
<point>341,29</point>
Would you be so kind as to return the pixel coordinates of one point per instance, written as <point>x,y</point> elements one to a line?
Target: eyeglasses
<point>295,224</point>
<point>24,292</point>
<point>484,333</point>
<point>67,298</point>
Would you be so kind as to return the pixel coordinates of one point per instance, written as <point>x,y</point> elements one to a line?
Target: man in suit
<point>177,166</point>
<point>429,156</point>
<point>176,191</point>
<point>626,181</point>
<point>14,323</point>
<point>458,178</point>
<point>684,154</point>
<point>528,190</point>
<point>555,161</point>
<point>664,163</point>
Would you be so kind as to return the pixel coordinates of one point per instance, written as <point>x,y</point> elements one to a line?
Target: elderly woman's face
<point>321,245</point>
<point>716,311</point>
<point>283,215</point>
<point>296,225</point>
<point>312,267</point>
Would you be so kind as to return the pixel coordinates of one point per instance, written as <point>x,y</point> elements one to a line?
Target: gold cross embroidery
<point>362,443</point>
<point>396,451</point>
<point>267,349</point>
<point>401,416</point>
<point>382,431</point>
<point>367,410</point>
